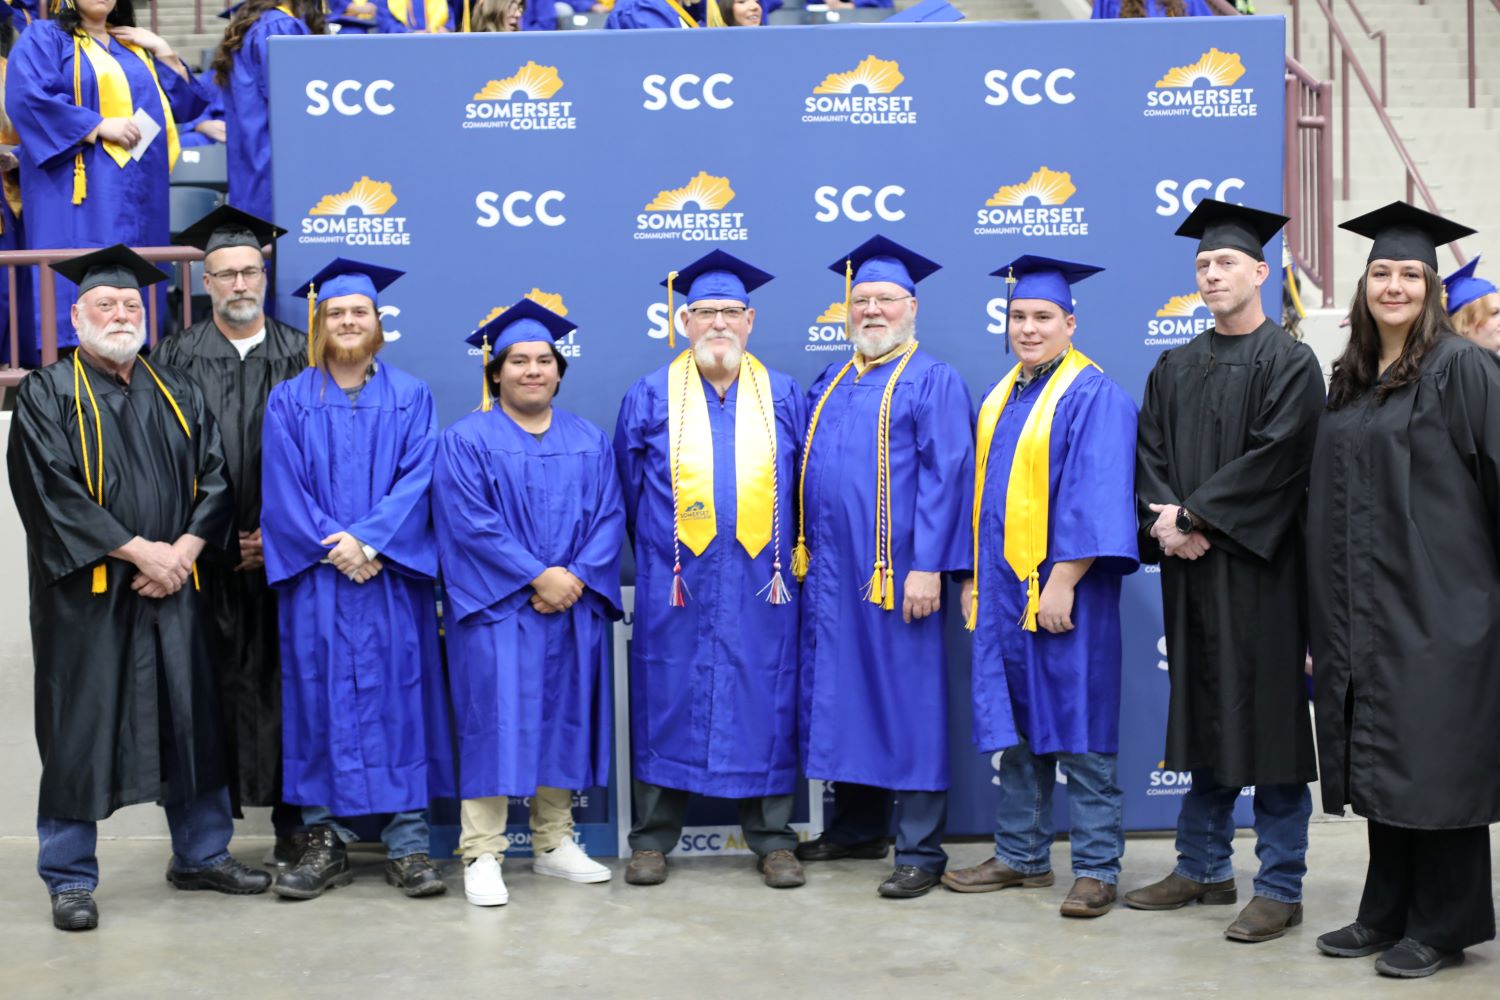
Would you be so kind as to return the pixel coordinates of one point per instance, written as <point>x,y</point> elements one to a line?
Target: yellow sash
<point>1030,479</point>
<point>114,102</point>
<point>693,456</point>
<point>687,19</point>
<point>434,13</point>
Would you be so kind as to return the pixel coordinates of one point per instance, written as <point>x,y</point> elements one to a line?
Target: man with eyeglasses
<point>885,490</point>
<point>707,453</point>
<point>235,355</point>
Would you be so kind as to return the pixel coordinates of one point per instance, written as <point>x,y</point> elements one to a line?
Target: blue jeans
<point>1023,820</point>
<point>200,839</point>
<point>404,833</point>
<point>862,813</point>
<point>1205,834</point>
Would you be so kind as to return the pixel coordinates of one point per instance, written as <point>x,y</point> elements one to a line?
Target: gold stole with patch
<point>114,102</point>
<point>1026,494</point>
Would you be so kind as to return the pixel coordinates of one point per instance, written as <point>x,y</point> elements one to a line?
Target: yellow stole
<point>688,21</point>
<point>434,13</point>
<point>93,481</point>
<point>114,102</point>
<point>1030,478</point>
<point>757,517</point>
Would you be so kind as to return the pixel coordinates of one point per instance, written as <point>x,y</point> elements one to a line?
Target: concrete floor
<point>711,931</point>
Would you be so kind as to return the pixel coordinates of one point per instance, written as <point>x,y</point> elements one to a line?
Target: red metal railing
<point>1473,62</point>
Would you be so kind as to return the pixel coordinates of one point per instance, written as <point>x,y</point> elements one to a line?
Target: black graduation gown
<point>1404,563</point>
<point>244,607</point>
<point>103,659</point>
<point>1227,429</point>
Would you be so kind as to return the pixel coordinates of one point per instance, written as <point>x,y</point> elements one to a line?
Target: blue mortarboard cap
<point>928,11</point>
<point>1045,278</point>
<point>229,12</point>
<point>719,275</point>
<point>523,322</point>
<point>349,277</point>
<point>1464,288</point>
<point>881,259</point>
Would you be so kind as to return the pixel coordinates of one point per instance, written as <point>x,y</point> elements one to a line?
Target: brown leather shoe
<point>1089,897</point>
<point>1174,892</point>
<point>991,875</point>
<point>1264,919</point>
<point>781,870</point>
<point>646,868</point>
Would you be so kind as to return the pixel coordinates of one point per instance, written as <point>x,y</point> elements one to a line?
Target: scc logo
<point>349,97</point>
<point>683,90</point>
<point>1183,196</point>
<point>512,208</point>
<point>1028,86</point>
<point>833,203</point>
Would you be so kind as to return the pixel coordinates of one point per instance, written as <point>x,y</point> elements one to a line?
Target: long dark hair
<point>1358,367</point>
<point>1137,8</point>
<point>69,20</point>
<point>309,11</point>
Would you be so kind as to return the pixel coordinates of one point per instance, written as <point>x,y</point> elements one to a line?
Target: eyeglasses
<point>249,274</point>
<point>705,314</point>
<point>884,302</point>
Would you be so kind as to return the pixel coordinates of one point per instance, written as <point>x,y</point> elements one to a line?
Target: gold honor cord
<point>486,401</point>
<point>114,102</point>
<point>312,305</point>
<point>1026,513</point>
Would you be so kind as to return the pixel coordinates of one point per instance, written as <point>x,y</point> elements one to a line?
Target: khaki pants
<point>483,822</point>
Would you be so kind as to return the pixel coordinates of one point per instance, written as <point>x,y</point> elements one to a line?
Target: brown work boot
<point>1174,892</point>
<point>1264,919</point>
<point>781,870</point>
<point>1089,897</point>
<point>646,868</point>
<point>991,875</point>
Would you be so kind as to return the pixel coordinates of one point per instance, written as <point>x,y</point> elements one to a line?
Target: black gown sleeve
<point>1151,483</point>
<point>1471,409</point>
<point>212,517</point>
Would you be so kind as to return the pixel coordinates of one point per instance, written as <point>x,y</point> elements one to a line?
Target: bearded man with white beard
<point>119,477</point>
<point>885,493</point>
<point>707,452</point>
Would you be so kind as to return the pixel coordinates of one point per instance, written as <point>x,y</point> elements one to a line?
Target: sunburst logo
<point>1214,68</point>
<point>369,196</point>
<point>704,191</point>
<point>1204,88</point>
<point>1181,305</point>
<point>1179,320</point>
<point>531,82</point>
<point>547,300</point>
<point>522,101</point>
<point>863,95</point>
<point>827,332</point>
<point>1045,186</point>
<point>836,312</point>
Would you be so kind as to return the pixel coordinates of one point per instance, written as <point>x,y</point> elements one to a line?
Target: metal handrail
<point>1473,62</point>
<point>1376,36</point>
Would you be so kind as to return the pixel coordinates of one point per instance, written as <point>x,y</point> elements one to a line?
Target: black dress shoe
<point>1411,959</point>
<point>1354,941</point>
<point>228,876</point>
<point>823,849</point>
<point>415,875</point>
<point>324,864</point>
<point>74,910</point>
<point>908,882</point>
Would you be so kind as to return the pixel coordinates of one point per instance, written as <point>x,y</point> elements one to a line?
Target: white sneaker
<point>483,884</point>
<point>568,860</point>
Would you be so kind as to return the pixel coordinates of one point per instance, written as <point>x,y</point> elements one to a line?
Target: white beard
<point>109,343</point>
<point>704,355</point>
<point>872,344</point>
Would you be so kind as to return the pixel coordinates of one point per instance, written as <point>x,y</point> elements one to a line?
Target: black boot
<point>324,864</point>
<point>228,876</point>
<point>74,910</point>
<point>415,875</point>
<point>287,850</point>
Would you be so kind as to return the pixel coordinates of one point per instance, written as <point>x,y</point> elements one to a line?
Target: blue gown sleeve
<point>399,527</point>
<point>293,526</point>
<point>268,29</point>
<point>597,561</point>
<point>483,561</point>
<point>943,536</point>
<point>874,3</point>
<point>630,451</point>
<point>39,98</point>
<point>1093,515</point>
<point>187,96</point>
<point>642,14</point>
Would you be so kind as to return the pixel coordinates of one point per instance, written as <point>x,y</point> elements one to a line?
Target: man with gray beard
<point>119,477</point>
<point>707,452</point>
<point>235,355</point>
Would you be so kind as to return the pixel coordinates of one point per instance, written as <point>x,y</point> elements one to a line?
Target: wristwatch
<point>1185,523</point>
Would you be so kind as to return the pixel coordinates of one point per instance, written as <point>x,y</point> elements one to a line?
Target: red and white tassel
<point>680,593</point>
<point>776,591</point>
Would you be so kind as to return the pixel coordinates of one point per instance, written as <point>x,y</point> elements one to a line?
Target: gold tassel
<point>971,620</point>
<point>671,317</point>
<point>875,589</point>
<point>890,590</point>
<point>80,182</point>
<point>848,292</point>
<point>312,305</point>
<point>101,580</point>
<point>1033,602</point>
<point>486,403</point>
<point>801,558</point>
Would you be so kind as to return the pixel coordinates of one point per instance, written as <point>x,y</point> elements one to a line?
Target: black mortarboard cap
<point>227,226</point>
<point>1218,225</point>
<point>117,266</point>
<point>1406,232</point>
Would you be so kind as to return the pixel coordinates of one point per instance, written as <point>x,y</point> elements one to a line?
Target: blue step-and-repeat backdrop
<point>581,167</point>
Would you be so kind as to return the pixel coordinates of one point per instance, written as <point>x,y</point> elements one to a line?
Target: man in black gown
<point>118,475</point>
<point>1225,439</point>
<point>235,355</point>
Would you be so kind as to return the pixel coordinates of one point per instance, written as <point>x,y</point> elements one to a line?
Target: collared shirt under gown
<point>364,727</point>
<point>104,660</point>
<point>126,204</point>
<point>874,688</point>
<point>531,691</point>
<point>243,605</point>
<point>1404,567</point>
<point>247,113</point>
<point>1226,430</point>
<point>1061,692</point>
<point>713,684</point>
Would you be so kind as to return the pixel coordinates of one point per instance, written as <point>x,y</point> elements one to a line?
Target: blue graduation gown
<point>247,112</point>
<point>1059,692</point>
<point>372,17</point>
<point>531,692</point>
<point>1104,9</point>
<point>875,689</point>
<point>631,14</point>
<point>126,204</point>
<point>188,134</point>
<point>363,707</point>
<point>713,685</point>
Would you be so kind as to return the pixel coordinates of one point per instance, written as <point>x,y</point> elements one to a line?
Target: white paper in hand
<point>149,131</point>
